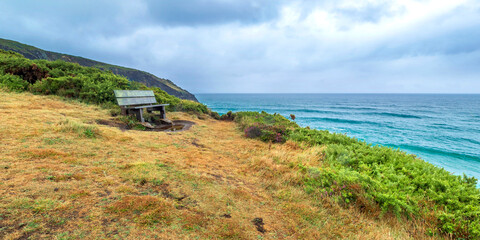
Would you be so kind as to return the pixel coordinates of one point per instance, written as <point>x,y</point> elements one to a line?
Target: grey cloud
<point>460,40</point>
<point>371,12</point>
<point>240,46</point>
<point>107,17</point>
<point>206,12</point>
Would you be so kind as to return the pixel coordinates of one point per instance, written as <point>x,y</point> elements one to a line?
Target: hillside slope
<point>148,79</point>
<point>64,176</point>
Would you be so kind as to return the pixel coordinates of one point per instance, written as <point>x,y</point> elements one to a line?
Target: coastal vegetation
<point>70,80</point>
<point>66,176</point>
<point>135,75</point>
<point>377,178</point>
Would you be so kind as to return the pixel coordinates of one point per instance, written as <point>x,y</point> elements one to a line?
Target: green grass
<point>83,130</point>
<point>267,127</point>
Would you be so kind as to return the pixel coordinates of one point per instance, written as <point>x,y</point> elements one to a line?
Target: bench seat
<point>134,101</point>
<point>147,106</point>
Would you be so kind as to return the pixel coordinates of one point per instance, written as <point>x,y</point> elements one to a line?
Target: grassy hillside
<point>71,80</point>
<point>210,182</point>
<point>148,79</point>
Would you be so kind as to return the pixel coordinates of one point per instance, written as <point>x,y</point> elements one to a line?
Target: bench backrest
<point>134,97</point>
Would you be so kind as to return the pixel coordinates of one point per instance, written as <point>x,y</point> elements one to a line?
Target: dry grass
<point>206,183</point>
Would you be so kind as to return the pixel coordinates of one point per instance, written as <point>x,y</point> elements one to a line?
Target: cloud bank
<point>367,46</point>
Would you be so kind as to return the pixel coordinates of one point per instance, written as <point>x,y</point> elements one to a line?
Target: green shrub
<point>96,88</point>
<point>266,127</point>
<point>398,182</point>
<point>215,115</point>
<point>13,83</point>
<point>245,119</point>
<point>190,106</point>
<point>253,132</point>
<point>229,116</point>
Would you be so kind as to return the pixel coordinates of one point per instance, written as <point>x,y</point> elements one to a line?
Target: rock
<point>147,125</point>
<point>166,121</point>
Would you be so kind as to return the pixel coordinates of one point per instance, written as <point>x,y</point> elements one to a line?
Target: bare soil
<point>178,125</point>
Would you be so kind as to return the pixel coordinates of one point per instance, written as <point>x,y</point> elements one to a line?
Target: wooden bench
<point>135,101</point>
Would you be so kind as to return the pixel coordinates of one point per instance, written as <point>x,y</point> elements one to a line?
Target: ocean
<point>443,129</point>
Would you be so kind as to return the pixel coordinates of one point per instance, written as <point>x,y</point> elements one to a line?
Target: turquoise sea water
<point>443,129</point>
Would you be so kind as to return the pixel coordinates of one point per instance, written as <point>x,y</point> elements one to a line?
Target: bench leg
<point>162,112</point>
<point>124,111</point>
<point>140,115</point>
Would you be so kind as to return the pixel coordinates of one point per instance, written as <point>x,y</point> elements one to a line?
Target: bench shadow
<point>176,126</point>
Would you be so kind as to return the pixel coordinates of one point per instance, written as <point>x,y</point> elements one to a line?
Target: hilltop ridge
<point>131,74</point>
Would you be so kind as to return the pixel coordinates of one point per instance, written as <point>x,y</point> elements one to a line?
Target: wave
<point>462,139</point>
<point>342,120</point>
<point>360,110</point>
<point>316,111</point>
<point>399,115</point>
<point>437,152</point>
<point>353,108</point>
<point>446,126</point>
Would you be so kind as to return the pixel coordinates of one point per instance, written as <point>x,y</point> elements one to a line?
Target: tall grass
<point>81,129</point>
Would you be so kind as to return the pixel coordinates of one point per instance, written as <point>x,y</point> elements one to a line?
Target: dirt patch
<point>177,126</point>
<point>122,126</point>
<point>196,144</point>
<point>258,222</point>
<point>161,190</point>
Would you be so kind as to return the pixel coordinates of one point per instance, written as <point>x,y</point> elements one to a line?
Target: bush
<point>273,134</point>
<point>191,106</point>
<point>245,119</point>
<point>229,116</point>
<point>264,126</point>
<point>253,132</point>
<point>215,115</point>
<point>13,83</point>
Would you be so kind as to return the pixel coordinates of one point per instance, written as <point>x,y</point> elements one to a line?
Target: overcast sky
<point>213,46</point>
